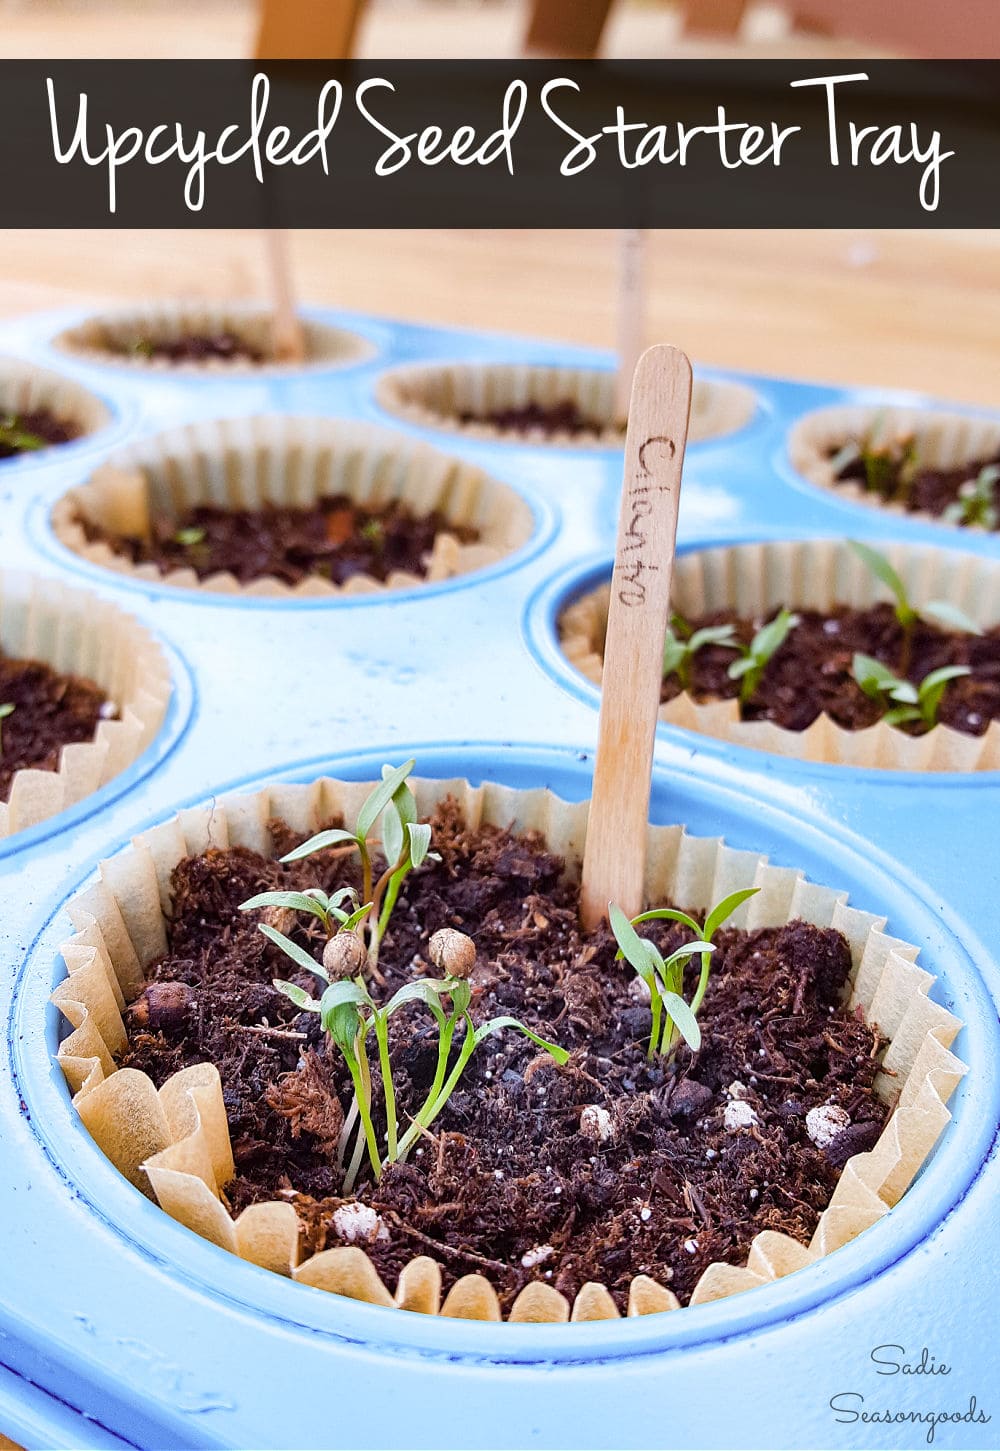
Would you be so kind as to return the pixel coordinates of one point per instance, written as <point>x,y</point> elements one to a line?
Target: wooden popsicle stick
<point>631,314</point>
<point>287,337</point>
<point>614,859</point>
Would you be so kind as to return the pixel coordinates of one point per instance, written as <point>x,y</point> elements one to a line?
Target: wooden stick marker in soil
<point>614,858</point>
<point>631,314</point>
<point>287,338</point>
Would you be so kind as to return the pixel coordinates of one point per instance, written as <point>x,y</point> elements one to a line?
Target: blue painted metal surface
<point>117,1327</point>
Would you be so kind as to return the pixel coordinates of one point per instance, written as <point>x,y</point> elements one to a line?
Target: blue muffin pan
<point>120,1328</point>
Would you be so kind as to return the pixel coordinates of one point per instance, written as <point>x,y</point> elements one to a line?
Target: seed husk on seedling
<point>755,657</point>
<point>913,703</point>
<point>5,711</point>
<point>673,1017</point>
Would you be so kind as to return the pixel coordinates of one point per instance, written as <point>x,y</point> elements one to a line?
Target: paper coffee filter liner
<point>110,339</point>
<point>25,388</point>
<point>245,463</point>
<point>943,441</point>
<point>436,396</point>
<point>76,633</point>
<point>815,574</point>
<point>174,1144</point>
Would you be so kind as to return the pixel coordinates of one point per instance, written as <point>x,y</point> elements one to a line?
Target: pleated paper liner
<point>943,440</point>
<point>755,579</point>
<point>111,339</point>
<point>246,463</point>
<point>437,395</point>
<point>174,1144</point>
<point>76,633</point>
<point>25,388</point>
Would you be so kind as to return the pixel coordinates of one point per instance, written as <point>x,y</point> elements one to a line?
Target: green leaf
<point>723,910</point>
<point>713,635</point>
<point>420,841</point>
<point>375,803</point>
<point>668,914</point>
<point>406,804</point>
<point>298,995</point>
<point>293,950</point>
<point>931,689</point>
<point>393,840</point>
<point>902,715</point>
<point>339,1013</point>
<point>741,667</point>
<point>635,949</point>
<point>671,972</point>
<point>683,1019</point>
<point>323,839</point>
<point>771,636</point>
<point>873,676</point>
<point>429,990</point>
<point>883,570</point>
<point>951,615</point>
<point>354,921</point>
<point>6,710</point>
<point>294,901</point>
<point>674,654</point>
<point>496,1025</point>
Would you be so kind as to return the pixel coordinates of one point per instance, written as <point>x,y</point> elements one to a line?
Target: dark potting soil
<point>920,490</point>
<point>811,671</point>
<point>222,346</point>
<point>50,711</point>
<point>334,538</point>
<point>555,418</point>
<point>509,1184</point>
<point>28,432</point>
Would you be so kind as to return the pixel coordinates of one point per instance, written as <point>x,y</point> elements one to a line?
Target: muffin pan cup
<point>110,1308</point>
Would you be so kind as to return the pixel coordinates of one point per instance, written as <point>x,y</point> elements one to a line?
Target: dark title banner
<point>500,144</point>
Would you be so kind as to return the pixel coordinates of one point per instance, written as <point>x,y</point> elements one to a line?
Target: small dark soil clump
<point>25,433</point>
<point>550,419</point>
<point>334,539</point>
<point>893,476</point>
<point>50,711</point>
<point>224,346</point>
<point>514,1181</point>
<point>810,673</point>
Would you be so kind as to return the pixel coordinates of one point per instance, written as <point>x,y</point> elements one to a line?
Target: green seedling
<point>5,711</point>
<point>754,658</point>
<point>189,538</point>
<point>673,1017</point>
<point>913,703</point>
<point>405,846</point>
<point>348,1013</point>
<point>14,437</point>
<point>976,502</point>
<point>906,612</point>
<point>682,645</point>
<point>374,532</point>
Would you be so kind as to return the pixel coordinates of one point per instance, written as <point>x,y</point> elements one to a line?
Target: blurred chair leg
<point>307,29</point>
<point>716,17</point>
<point>566,27</point>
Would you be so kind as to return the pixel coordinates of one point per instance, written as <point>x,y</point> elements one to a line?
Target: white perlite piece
<point>596,1123</point>
<point>537,1256</point>
<point>352,1222</point>
<point>639,992</point>
<point>738,1115</point>
<point>737,1089</point>
<point>823,1124</point>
